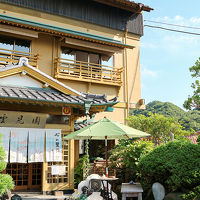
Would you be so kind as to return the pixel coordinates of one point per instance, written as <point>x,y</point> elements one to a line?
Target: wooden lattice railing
<point>9,57</point>
<point>89,72</point>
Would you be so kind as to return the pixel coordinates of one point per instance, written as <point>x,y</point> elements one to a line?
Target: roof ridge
<point>23,61</point>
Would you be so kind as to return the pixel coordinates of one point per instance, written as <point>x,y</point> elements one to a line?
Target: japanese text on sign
<point>22,119</point>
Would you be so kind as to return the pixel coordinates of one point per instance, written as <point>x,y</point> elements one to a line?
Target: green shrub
<point>194,194</point>
<point>2,158</point>
<point>125,157</point>
<point>78,170</point>
<point>6,181</point>
<point>176,165</point>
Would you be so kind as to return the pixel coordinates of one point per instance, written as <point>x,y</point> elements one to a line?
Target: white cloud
<point>146,73</point>
<point>178,18</point>
<point>174,42</point>
<point>181,40</point>
<point>148,45</point>
<point>194,20</point>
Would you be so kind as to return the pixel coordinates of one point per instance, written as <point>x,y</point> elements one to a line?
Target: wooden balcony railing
<point>88,72</point>
<point>8,57</point>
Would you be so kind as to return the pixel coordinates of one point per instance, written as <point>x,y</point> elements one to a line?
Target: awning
<point>61,31</point>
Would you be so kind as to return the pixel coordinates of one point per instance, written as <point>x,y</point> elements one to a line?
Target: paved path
<point>38,195</point>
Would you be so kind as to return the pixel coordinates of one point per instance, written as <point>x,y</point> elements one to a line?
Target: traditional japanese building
<point>59,61</point>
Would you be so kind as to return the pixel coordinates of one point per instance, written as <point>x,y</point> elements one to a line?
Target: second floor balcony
<point>8,57</point>
<point>88,72</point>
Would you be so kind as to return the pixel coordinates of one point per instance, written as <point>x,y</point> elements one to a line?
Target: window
<point>84,56</point>
<point>108,61</point>
<point>10,43</point>
<point>58,119</point>
<point>11,49</point>
<point>68,54</point>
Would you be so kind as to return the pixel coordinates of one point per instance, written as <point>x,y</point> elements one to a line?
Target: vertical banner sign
<point>36,145</point>
<point>5,136</point>
<point>18,145</point>
<point>53,145</point>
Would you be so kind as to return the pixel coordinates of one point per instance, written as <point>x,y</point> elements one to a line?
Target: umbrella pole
<point>106,150</point>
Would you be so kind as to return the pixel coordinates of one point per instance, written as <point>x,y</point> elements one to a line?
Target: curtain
<point>5,134</point>
<point>53,145</point>
<point>18,145</point>
<point>36,145</point>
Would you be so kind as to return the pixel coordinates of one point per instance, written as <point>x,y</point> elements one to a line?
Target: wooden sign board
<point>22,119</point>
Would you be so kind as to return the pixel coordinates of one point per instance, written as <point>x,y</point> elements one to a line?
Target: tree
<point>163,108</point>
<point>125,156</point>
<point>190,120</point>
<point>162,129</point>
<point>193,102</point>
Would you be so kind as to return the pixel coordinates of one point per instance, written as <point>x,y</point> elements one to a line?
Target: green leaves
<point>6,181</point>
<point>126,156</point>
<point>193,102</point>
<point>189,120</point>
<point>78,170</point>
<point>195,69</point>
<point>161,128</point>
<point>176,165</point>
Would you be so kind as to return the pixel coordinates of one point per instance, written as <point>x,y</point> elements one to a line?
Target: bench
<point>131,190</point>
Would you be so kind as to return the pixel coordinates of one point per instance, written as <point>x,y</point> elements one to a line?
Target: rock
<point>173,196</point>
<point>158,191</point>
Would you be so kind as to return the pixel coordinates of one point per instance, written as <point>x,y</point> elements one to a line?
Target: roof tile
<point>51,95</point>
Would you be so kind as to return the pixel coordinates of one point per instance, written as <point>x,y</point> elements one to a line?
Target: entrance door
<point>26,176</point>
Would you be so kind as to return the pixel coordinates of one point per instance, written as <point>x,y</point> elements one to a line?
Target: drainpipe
<point>126,74</point>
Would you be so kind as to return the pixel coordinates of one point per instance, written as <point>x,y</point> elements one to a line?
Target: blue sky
<point>166,56</point>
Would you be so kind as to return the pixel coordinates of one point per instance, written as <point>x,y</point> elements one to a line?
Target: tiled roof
<point>80,125</point>
<point>51,96</point>
<point>127,5</point>
<point>23,66</point>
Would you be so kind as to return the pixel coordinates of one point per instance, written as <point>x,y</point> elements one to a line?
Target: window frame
<point>88,57</point>
<point>14,39</point>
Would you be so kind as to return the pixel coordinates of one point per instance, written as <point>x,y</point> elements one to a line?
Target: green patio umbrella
<point>106,129</point>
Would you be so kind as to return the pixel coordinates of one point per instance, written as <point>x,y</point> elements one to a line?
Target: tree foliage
<point>190,120</point>
<point>79,169</point>
<point>125,158</point>
<point>6,181</point>
<point>193,102</point>
<point>163,108</point>
<point>162,129</point>
<point>176,165</point>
